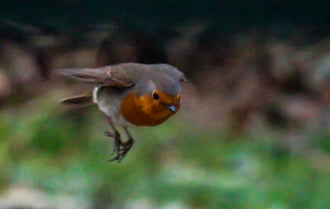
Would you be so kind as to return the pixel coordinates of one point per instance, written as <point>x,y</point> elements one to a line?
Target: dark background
<point>227,16</point>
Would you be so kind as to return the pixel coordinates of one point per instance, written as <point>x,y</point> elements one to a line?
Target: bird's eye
<point>155,96</point>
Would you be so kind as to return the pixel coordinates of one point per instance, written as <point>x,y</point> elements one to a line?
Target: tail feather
<point>78,100</point>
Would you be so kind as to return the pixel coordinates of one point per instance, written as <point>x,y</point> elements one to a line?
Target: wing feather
<point>121,75</point>
<point>117,75</point>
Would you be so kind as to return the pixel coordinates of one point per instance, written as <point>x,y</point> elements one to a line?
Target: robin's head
<point>154,100</point>
<point>160,93</point>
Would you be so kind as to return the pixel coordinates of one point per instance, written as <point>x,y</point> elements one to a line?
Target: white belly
<point>109,102</point>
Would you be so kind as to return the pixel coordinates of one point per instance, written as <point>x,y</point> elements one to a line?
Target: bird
<point>129,94</point>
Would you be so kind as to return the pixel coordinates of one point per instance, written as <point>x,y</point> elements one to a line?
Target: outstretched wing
<point>121,75</point>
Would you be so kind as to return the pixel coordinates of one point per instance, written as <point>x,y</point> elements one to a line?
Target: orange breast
<point>143,110</point>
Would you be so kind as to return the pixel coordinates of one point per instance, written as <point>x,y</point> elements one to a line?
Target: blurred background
<point>253,130</point>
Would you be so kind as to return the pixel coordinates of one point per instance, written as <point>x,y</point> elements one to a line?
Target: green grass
<point>65,152</point>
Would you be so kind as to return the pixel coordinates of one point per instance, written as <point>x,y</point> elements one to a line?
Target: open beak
<point>172,107</point>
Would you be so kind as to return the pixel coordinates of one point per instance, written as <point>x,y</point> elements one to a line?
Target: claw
<point>108,133</point>
<point>120,148</point>
<point>115,159</point>
<point>117,141</point>
<point>118,158</point>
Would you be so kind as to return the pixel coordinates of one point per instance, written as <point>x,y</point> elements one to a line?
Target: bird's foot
<point>120,148</point>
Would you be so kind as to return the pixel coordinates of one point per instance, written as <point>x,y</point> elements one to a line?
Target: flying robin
<point>130,93</point>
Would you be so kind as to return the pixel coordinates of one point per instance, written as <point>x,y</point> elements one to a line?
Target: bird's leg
<point>116,136</point>
<point>128,144</point>
<point>120,148</point>
<point>117,140</point>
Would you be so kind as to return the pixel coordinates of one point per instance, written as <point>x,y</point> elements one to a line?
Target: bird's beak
<point>172,107</point>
